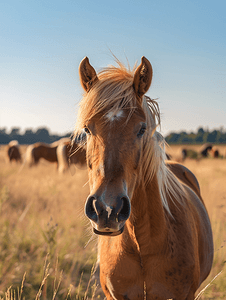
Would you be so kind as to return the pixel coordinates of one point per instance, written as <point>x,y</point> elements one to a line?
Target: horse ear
<point>142,77</point>
<point>87,74</point>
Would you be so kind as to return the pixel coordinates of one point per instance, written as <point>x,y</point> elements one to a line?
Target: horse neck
<point>147,224</point>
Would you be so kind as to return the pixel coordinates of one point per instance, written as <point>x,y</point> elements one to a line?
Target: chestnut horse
<point>40,150</point>
<point>62,152</point>
<point>69,153</point>
<point>155,238</point>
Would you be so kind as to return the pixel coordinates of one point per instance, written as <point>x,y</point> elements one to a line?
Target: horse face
<point>113,153</point>
<point>114,142</point>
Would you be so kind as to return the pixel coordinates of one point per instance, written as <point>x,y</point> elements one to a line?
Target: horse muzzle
<point>108,219</point>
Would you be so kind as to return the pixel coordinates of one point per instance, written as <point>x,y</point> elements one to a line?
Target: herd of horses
<point>154,234</point>
<point>63,152</point>
<point>206,150</point>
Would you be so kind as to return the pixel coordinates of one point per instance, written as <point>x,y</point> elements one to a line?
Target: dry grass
<point>41,215</point>
<point>44,232</point>
<point>211,174</point>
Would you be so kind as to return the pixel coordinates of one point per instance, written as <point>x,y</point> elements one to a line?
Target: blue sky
<point>43,42</point>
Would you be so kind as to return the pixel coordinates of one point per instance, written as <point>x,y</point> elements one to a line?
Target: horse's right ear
<point>87,74</point>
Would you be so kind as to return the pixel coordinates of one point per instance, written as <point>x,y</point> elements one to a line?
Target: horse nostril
<point>97,211</point>
<point>124,212</point>
<point>90,209</point>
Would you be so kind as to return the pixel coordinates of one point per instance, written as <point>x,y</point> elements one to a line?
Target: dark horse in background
<point>155,238</point>
<point>13,152</point>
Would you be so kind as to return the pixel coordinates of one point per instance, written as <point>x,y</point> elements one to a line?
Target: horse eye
<point>142,130</point>
<point>79,138</point>
<point>86,129</point>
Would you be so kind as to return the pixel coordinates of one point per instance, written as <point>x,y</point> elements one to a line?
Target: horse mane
<point>62,158</point>
<point>13,143</point>
<point>38,144</point>
<point>114,92</point>
<point>29,155</point>
<point>60,141</point>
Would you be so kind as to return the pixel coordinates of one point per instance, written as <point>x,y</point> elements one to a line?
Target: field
<point>47,248</point>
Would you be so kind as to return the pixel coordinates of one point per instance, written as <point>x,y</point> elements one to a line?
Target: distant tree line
<point>42,135</point>
<point>29,136</point>
<point>200,137</point>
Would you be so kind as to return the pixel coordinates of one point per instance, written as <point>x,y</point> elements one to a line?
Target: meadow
<point>47,248</point>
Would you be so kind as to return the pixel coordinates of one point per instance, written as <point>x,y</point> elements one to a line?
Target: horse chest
<point>121,276</point>
<point>123,288</point>
<point>166,278</point>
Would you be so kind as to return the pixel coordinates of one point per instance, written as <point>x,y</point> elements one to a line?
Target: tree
<point>4,138</point>
<point>42,135</point>
<point>3,130</point>
<point>201,131</point>
<point>172,138</point>
<point>29,137</point>
<point>15,134</point>
<point>199,136</point>
<point>15,131</point>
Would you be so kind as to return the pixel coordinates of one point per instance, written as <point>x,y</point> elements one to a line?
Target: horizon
<point>44,42</point>
<point>23,131</point>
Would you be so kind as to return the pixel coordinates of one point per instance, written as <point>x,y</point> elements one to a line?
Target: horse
<point>63,153</point>
<point>189,153</point>
<point>37,151</point>
<point>205,149</point>
<point>154,234</point>
<point>13,151</point>
<point>214,152</point>
<point>69,153</point>
<point>184,154</point>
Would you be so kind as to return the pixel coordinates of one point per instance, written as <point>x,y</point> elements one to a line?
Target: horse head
<point>114,124</point>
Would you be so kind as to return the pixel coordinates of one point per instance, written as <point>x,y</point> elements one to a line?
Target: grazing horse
<point>69,153</point>
<point>214,152</point>
<point>40,150</point>
<point>205,149</point>
<point>13,151</point>
<point>184,153</point>
<point>155,238</point>
<point>63,153</point>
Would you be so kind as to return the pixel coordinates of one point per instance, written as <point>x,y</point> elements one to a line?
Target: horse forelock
<point>114,93</point>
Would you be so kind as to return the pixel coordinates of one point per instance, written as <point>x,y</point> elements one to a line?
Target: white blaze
<point>112,116</point>
<point>109,210</point>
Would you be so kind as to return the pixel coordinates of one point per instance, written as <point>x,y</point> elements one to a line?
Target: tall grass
<point>211,174</point>
<point>45,251</point>
<point>42,219</point>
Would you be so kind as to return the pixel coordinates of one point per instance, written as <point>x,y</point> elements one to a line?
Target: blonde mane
<point>111,93</point>
<point>13,143</point>
<point>29,155</point>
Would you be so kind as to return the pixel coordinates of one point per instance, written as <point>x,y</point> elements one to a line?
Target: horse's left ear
<point>87,74</point>
<point>142,77</point>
